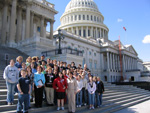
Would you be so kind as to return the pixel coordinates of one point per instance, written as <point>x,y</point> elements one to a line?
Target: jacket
<point>60,83</point>
<point>99,87</point>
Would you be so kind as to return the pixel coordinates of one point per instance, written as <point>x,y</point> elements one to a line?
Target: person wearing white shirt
<point>79,91</point>
<point>91,92</point>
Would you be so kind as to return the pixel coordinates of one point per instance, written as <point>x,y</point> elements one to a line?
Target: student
<point>91,92</point>
<point>60,85</point>
<point>33,67</point>
<point>72,87</point>
<point>24,91</point>
<point>30,76</point>
<point>49,77</point>
<point>23,67</point>
<point>79,91</point>
<point>19,60</point>
<point>11,75</point>
<point>28,61</point>
<point>99,92</point>
<point>39,81</point>
<point>84,89</point>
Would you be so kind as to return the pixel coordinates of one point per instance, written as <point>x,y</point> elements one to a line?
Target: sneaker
<point>93,107</point>
<point>79,106</point>
<point>9,103</point>
<point>90,108</point>
<point>62,108</point>
<point>58,108</point>
<point>84,104</point>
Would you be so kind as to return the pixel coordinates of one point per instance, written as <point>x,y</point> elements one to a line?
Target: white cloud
<point>146,39</point>
<point>119,20</point>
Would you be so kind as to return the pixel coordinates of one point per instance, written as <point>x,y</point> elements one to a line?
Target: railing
<point>44,2</point>
<point>64,51</point>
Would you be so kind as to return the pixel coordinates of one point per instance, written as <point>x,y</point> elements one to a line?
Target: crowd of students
<point>57,82</point>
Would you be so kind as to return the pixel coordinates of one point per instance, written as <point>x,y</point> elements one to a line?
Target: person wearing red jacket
<point>60,85</point>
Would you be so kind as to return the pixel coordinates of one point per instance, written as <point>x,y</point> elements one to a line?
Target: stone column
<point>96,33</point>
<point>91,31</point>
<point>4,24</point>
<point>12,23</point>
<point>100,32</point>
<point>82,31</point>
<point>123,63</point>
<point>108,61</point>
<point>72,30</point>
<point>103,34</point>
<point>77,30</point>
<point>51,28</point>
<point>42,27</point>
<point>118,62</point>
<point>111,63</point>
<point>31,25</point>
<point>27,29</point>
<point>102,61</point>
<point>19,24</point>
<point>87,31</point>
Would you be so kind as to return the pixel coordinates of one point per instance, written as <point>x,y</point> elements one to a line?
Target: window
<point>75,17</point>
<point>71,18</point>
<point>82,51</point>
<point>94,54</point>
<point>80,32</point>
<point>89,52</point>
<point>84,33</point>
<point>69,47</point>
<point>87,17</point>
<point>91,17</point>
<point>91,65</point>
<point>95,65</point>
<point>83,17</point>
<point>88,32</point>
<point>83,62</point>
<point>75,32</point>
<point>94,18</point>
<point>79,17</point>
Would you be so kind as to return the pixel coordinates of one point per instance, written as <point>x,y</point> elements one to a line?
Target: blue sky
<point>132,14</point>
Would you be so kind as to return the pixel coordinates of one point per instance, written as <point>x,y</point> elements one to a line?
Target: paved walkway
<point>139,108</point>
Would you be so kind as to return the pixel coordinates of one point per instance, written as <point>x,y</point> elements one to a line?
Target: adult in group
<point>72,88</point>
<point>11,75</point>
<point>99,92</point>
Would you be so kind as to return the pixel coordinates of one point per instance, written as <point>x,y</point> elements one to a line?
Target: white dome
<point>81,3</point>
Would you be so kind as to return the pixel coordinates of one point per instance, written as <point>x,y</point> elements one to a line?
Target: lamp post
<point>59,37</point>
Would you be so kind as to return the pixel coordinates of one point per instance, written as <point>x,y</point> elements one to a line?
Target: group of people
<point>55,81</point>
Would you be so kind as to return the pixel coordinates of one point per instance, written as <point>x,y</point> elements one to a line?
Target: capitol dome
<point>83,18</point>
<point>81,3</point>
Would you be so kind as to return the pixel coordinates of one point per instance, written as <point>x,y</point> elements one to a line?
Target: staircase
<point>13,54</point>
<point>115,98</point>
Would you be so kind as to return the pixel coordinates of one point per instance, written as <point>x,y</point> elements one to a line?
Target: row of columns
<point>94,32</point>
<point>130,63</point>
<point>113,62</point>
<point>82,17</point>
<point>29,24</point>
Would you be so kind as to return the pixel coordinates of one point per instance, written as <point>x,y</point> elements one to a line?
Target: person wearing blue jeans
<point>24,88</point>
<point>79,91</point>
<point>10,92</point>
<point>79,98</point>
<point>91,92</point>
<point>11,75</point>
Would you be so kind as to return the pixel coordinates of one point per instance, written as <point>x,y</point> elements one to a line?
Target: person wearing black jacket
<point>99,91</point>
<point>49,77</point>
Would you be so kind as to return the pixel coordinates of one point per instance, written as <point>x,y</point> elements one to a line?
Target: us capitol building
<point>85,37</point>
